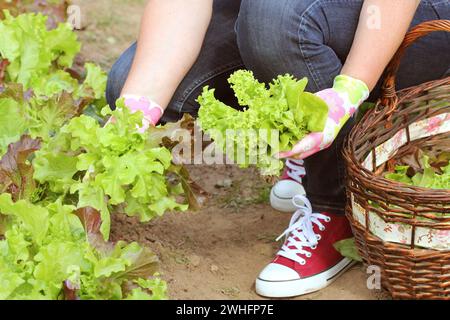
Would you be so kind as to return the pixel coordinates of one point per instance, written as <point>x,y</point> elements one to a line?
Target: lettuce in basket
<point>430,174</point>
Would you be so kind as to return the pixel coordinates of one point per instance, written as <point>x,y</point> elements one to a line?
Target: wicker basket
<point>403,230</point>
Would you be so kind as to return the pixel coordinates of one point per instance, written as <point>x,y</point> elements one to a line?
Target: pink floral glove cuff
<point>151,110</point>
<point>342,100</point>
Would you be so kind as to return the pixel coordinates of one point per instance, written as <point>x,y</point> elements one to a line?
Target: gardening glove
<point>151,110</point>
<point>342,100</point>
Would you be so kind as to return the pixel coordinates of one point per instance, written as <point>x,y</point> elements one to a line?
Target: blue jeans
<point>309,38</point>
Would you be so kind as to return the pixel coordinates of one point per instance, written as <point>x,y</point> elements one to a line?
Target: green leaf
<point>9,281</point>
<point>63,44</point>
<point>347,248</point>
<point>54,262</point>
<point>12,122</point>
<point>66,263</point>
<point>55,203</point>
<point>434,177</point>
<point>56,168</point>
<point>284,108</point>
<point>95,82</point>
<point>24,47</point>
<point>54,83</point>
<point>33,218</point>
<point>313,111</point>
<point>39,60</point>
<point>166,204</point>
<point>157,287</point>
<point>107,266</point>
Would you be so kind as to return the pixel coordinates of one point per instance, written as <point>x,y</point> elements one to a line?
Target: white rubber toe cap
<point>278,281</point>
<point>283,192</point>
<point>278,272</point>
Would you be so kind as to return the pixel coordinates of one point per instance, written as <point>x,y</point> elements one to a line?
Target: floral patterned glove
<point>342,100</point>
<point>151,110</point>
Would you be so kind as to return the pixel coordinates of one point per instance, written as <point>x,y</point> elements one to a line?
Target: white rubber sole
<point>298,287</point>
<point>281,204</point>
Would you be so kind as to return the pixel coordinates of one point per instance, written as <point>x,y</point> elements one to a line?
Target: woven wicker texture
<point>408,271</point>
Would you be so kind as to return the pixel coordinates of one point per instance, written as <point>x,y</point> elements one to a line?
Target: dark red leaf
<point>70,291</point>
<point>16,174</point>
<point>90,218</point>
<point>14,91</point>
<point>4,63</point>
<point>56,12</point>
<point>196,196</point>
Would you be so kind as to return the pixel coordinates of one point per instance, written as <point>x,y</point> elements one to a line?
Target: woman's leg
<point>218,58</point>
<point>312,38</point>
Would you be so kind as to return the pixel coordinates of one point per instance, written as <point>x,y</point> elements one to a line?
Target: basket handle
<point>389,96</point>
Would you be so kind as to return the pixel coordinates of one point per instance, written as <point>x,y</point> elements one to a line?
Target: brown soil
<point>217,252</point>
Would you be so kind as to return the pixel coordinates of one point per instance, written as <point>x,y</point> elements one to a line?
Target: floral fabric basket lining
<point>399,232</point>
<point>405,230</point>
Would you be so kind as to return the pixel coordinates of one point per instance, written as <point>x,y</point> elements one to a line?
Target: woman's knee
<point>118,75</point>
<point>258,27</point>
<point>267,33</point>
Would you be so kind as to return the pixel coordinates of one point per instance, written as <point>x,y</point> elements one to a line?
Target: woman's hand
<point>151,110</point>
<point>381,29</point>
<point>342,100</point>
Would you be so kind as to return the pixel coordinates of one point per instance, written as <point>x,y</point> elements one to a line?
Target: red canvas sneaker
<point>307,262</point>
<point>289,186</point>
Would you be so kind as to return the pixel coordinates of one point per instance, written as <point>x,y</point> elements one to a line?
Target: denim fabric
<point>218,58</point>
<point>309,38</point>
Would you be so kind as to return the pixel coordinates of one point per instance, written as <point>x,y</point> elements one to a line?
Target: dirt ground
<point>217,252</point>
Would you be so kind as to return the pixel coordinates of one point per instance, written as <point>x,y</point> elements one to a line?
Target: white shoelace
<point>300,234</point>
<point>296,169</point>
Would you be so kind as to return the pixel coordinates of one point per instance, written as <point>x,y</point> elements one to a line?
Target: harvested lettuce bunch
<point>283,110</point>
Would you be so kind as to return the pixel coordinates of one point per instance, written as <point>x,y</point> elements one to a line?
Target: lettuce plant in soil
<point>110,167</point>
<point>62,173</point>
<point>51,249</point>
<point>39,91</point>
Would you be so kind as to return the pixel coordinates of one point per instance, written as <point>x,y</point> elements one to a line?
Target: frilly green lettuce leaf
<point>12,122</point>
<point>109,166</point>
<point>347,248</point>
<point>47,254</point>
<point>33,218</point>
<point>39,60</point>
<point>284,107</point>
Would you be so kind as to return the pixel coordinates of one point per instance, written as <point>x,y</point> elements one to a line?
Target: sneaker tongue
<point>285,176</point>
